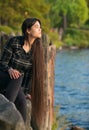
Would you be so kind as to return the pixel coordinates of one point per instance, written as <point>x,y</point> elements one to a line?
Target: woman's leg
<point>21,104</point>
<point>13,88</point>
<point>13,92</point>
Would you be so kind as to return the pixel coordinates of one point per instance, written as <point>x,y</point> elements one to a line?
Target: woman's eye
<point>37,26</point>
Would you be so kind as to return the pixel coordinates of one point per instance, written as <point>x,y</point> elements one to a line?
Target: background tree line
<point>53,14</point>
<point>13,12</point>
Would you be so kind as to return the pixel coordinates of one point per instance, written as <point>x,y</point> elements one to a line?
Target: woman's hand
<point>28,96</point>
<point>14,74</point>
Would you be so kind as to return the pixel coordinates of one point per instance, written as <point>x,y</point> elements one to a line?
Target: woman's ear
<point>28,31</point>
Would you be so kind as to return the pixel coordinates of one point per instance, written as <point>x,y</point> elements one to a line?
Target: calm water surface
<point>72,87</point>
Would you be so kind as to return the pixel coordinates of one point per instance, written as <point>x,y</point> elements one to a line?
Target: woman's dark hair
<point>38,73</point>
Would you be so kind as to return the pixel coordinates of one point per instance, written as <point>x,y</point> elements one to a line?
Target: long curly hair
<point>37,84</point>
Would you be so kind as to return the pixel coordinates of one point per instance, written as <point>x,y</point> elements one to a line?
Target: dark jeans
<point>13,92</point>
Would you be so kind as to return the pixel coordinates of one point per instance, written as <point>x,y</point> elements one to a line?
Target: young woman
<point>22,69</point>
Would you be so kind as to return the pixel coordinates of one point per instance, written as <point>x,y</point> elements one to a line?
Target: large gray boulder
<point>10,118</point>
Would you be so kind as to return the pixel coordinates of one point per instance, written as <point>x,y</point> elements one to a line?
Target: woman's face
<point>35,30</point>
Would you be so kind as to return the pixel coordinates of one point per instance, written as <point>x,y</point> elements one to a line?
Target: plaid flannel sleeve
<point>6,56</point>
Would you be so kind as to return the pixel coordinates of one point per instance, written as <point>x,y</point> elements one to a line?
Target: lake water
<point>72,87</point>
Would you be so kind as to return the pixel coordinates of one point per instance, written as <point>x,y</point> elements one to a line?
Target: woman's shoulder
<point>16,40</point>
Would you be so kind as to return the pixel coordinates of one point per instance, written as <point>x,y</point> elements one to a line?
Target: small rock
<point>76,128</point>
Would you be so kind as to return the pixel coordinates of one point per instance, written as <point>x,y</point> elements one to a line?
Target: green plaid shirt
<point>14,56</point>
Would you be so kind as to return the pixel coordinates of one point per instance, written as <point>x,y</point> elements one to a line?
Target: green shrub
<point>68,40</point>
<point>56,121</point>
<point>86,26</point>
<point>76,37</point>
<point>54,37</point>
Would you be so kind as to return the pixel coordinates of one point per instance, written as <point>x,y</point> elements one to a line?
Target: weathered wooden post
<point>49,54</point>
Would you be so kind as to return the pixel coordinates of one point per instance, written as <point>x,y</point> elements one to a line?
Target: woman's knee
<point>17,81</point>
<point>20,78</point>
<point>13,88</point>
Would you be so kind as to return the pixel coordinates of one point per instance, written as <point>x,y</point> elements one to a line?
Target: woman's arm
<point>6,56</point>
<point>5,59</point>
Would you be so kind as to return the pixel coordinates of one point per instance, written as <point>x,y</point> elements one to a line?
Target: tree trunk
<point>64,21</point>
